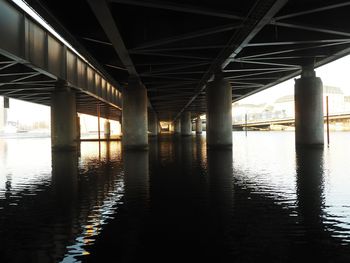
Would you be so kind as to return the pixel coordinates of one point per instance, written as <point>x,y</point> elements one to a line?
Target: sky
<point>27,112</point>
<point>335,73</point>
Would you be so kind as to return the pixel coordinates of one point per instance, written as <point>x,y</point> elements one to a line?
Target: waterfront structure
<point>217,62</point>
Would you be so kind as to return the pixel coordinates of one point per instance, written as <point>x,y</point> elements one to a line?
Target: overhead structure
<point>175,48</point>
<point>33,60</point>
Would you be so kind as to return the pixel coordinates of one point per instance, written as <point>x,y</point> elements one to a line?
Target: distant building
<point>253,111</point>
<point>336,99</point>
<point>283,107</point>
<point>347,103</point>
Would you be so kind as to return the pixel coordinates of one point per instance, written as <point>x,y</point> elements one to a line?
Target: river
<point>178,202</point>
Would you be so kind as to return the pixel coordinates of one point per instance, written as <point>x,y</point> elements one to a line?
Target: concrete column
<point>308,96</point>
<point>63,119</point>
<point>219,113</point>
<point>177,128</point>
<point>152,123</point>
<point>134,125</point>
<point>198,125</point>
<point>78,128</point>
<point>107,129</point>
<point>186,125</point>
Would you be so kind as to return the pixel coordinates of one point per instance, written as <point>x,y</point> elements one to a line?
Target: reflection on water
<point>310,187</point>
<point>221,190</point>
<point>177,202</point>
<point>54,212</point>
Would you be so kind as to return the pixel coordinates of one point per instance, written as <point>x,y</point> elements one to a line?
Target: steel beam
<point>48,56</point>
<point>250,27</point>
<point>180,8</point>
<point>313,28</point>
<point>242,61</point>
<point>314,10</point>
<point>284,51</point>
<point>258,74</point>
<point>183,48</point>
<point>257,69</point>
<point>157,54</point>
<point>106,20</point>
<point>200,33</point>
<point>281,43</point>
<point>97,41</point>
<point>176,68</point>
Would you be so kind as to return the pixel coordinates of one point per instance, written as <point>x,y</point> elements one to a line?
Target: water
<point>178,202</point>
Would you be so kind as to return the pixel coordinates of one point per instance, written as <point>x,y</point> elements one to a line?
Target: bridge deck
<point>32,60</point>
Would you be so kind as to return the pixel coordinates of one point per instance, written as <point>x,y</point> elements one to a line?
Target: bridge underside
<point>19,81</point>
<point>176,48</point>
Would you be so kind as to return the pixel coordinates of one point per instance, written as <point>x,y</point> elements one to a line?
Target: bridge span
<point>172,61</point>
<point>342,117</point>
<point>36,66</point>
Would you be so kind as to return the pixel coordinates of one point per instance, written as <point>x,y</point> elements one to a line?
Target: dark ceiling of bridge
<point>176,46</point>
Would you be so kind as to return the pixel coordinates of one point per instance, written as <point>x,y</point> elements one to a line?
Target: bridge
<point>340,117</point>
<point>171,61</point>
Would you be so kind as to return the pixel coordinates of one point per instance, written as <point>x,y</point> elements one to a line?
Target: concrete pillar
<point>219,113</point>
<point>134,120</point>
<point>78,128</point>
<point>186,125</point>
<point>198,125</point>
<point>177,128</point>
<point>63,119</point>
<point>152,123</point>
<point>308,96</point>
<point>107,129</point>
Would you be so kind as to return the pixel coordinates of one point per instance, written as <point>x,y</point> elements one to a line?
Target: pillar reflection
<point>200,154</point>
<point>186,154</point>
<point>153,147</point>
<point>108,151</point>
<point>136,178</point>
<point>222,193</point>
<point>65,174</point>
<point>310,200</point>
<point>309,168</point>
